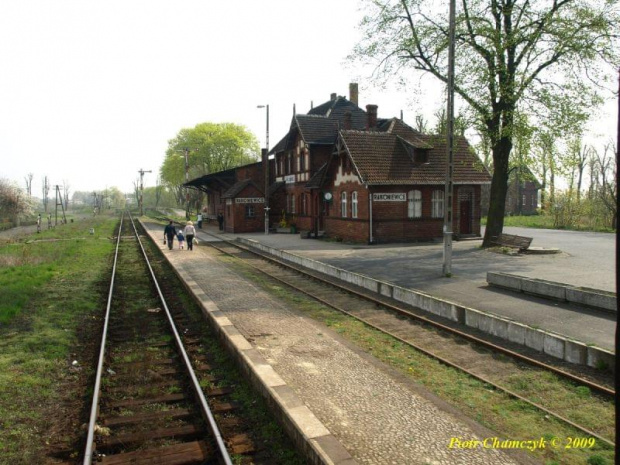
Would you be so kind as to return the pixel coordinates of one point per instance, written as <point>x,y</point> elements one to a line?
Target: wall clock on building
<point>328,196</point>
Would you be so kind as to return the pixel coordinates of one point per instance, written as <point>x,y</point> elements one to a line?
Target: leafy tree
<point>211,147</point>
<point>511,55</point>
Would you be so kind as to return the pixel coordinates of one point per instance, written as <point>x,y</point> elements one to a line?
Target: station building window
<point>249,211</point>
<point>343,205</point>
<point>437,204</point>
<point>354,205</point>
<point>414,204</point>
<point>293,204</point>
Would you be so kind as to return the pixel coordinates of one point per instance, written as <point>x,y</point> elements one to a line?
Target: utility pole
<point>59,202</point>
<point>141,171</point>
<point>449,190</point>
<point>265,159</point>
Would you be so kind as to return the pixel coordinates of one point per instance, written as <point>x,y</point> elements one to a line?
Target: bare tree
<point>28,179</point>
<point>605,182</point>
<point>46,192</point>
<point>66,189</point>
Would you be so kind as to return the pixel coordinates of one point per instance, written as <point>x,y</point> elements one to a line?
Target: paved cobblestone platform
<point>351,403</point>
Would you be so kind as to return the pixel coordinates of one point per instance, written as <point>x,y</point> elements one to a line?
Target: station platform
<point>419,267</point>
<point>344,406</point>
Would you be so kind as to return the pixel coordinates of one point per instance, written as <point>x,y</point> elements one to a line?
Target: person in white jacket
<point>190,232</point>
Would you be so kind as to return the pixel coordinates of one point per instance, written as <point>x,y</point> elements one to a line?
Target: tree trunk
<point>499,188</point>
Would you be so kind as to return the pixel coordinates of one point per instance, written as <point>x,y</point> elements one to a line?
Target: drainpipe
<point>370,211</point>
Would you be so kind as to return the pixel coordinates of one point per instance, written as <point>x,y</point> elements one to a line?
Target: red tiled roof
<point>386,158</point>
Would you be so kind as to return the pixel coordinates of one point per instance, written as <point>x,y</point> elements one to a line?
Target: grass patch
<point>48,289</point>
<point>546,222</point>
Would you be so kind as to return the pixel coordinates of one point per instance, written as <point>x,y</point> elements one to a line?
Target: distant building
<point>345,172</point>
<point>522,197</point>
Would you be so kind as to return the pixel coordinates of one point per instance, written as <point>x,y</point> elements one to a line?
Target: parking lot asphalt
<point>586,259</point>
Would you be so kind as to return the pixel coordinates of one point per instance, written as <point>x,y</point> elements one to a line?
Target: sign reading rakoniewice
<point>250,200</point>
<point>389,197</point>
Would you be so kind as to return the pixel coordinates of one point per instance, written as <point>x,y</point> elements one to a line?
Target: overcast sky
<point>91,91</point>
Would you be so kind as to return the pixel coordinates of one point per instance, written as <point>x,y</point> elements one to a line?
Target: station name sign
<point>389,197</point>
<point>250,200</point>
<point>289,179</point>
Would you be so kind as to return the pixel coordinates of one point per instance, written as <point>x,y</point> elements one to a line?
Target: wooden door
<point>465,217</point>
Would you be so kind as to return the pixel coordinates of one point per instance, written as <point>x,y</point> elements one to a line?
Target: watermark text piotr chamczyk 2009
<point>528,444</point>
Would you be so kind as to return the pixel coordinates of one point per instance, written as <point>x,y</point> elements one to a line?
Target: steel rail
<point>96,394</point>
<point>425,351</point>
<point>206,410</point>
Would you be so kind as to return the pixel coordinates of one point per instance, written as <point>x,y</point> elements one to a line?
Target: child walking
<point>181,240</point>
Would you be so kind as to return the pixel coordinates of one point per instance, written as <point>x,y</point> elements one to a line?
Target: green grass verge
<point>545,222</point>
<point>48,288</point>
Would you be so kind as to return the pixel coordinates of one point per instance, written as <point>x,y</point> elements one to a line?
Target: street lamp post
<point>266,170</point>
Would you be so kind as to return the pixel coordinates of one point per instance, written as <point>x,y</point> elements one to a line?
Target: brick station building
<point>344,172</point>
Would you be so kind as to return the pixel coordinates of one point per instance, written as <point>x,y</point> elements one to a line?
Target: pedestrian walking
<point>169,233</point>
<point>220,220</point>
<point>49,221</point>
<point>181,239</point>
<point>190,232</point>
<point>199,220</point>
<point>39,223</point>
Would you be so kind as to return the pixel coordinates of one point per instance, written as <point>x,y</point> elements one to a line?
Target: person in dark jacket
<point>220,220</point>
<point>169,233</point>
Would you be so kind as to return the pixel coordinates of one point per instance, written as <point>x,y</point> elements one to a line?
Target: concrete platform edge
<point>312,438</point>
<point>549,343</point>
<point>596,299</point>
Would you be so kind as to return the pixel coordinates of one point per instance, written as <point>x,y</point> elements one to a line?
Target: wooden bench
<point>513,241</point>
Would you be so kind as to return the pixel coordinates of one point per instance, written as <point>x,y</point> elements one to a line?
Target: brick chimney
<point>353,93</point>
<point>371,113</point>
<point>347,120</point>
<point>333,97</point>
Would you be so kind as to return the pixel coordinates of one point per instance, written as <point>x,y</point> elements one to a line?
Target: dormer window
<point>420,156</point>
<point>417,154</point>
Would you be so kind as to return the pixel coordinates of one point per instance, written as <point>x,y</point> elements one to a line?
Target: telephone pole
<point>265,158</point>
<point>59,202</point>
<point>447,224</point>
<point>141,171</point>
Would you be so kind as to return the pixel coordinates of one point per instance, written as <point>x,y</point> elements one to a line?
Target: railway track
<point>486,361</point>
<point>154,398</point>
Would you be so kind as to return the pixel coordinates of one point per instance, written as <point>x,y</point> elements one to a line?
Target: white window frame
<point>293,204</point>
<point>354,204</point>
<point>437,202</point>
<point>343,205</point>
<point>414,204</point>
